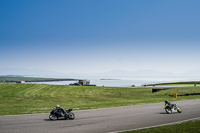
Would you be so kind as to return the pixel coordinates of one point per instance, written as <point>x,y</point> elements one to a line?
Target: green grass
<point>186,127</point>
<point>177,83</point>
<point>41,98</point>
<point>173,85</point>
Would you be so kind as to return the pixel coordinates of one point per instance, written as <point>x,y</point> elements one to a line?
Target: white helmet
<point>57,106</point>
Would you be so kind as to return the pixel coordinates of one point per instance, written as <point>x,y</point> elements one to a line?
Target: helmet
<point>57,106</point>
<point>166,101</point>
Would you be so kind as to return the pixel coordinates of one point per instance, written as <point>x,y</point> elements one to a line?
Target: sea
<point>122,81</point>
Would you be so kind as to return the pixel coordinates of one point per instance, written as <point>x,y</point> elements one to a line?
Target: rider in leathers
<point>60,111</point>
<point>169,104</point>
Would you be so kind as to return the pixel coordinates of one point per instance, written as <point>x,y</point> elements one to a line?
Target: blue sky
<point>89,36</point>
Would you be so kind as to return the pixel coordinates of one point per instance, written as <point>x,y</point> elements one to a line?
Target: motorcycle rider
<point>169,104</point>
<point>60,111</point>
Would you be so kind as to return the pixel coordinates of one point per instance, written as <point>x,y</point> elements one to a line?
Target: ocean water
<point>123,81</point>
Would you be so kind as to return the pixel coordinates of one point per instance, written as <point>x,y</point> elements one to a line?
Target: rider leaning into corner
<point>60,111</point>
<point>169,104</point>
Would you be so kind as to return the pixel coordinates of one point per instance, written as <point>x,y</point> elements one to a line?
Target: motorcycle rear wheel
<point>179,110</point>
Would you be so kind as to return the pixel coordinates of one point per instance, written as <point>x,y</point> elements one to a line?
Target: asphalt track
<point>101,120</point>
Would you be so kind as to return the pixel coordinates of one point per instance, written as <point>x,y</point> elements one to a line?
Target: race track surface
<point>101,120</point>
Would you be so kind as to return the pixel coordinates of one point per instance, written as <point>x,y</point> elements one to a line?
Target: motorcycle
<point>69,115</point>
<point>172,108</point>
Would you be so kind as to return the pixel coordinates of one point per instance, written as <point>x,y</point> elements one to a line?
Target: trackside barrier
<point>189,94</point>
<point>155,90</point>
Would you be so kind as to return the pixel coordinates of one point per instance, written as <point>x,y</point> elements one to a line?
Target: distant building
<point>21,82</point>
<point>84,82</point>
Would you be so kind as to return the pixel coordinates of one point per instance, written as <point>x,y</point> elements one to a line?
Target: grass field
<point>41,98</point>
<point>177,83</point>
<point>186,127</point>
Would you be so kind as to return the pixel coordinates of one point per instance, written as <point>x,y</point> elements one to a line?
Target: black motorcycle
<point>68,115</point>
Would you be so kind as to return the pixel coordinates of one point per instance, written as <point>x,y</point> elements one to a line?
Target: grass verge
<point>41,98</point>
<point>176,83</point>
<point>186,127</point>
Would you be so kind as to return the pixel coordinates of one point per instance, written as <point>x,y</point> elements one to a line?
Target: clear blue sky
<point>92,36</point>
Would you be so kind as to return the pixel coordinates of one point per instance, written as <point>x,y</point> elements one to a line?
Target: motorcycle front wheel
<point>179,109</point>
<point>168,110</point>
<point>71,116</point>
<point>53,117</point>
